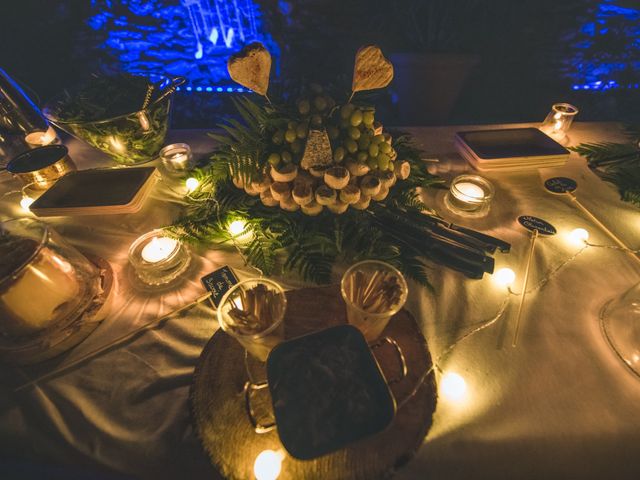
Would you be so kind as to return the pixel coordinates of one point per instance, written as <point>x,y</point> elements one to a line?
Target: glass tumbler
<point>373,292</point>
<point>559,120</point>
<point>253,313</point>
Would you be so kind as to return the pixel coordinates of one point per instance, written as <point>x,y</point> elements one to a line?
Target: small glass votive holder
<point>469,196</point>
<point>41,138</point>
<point>252,312</point>
<point>177,157</point>
<point>373,292</point>
<point>158,259</point>
<point>559,120</point>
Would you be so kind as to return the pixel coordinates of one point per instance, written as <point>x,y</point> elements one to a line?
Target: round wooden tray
<point>228,437</point>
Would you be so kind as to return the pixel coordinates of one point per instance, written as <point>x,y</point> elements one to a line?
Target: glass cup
<point>470,196</point>
<point>253,313</point>
<point>373,292</point>
<point>559,120</point>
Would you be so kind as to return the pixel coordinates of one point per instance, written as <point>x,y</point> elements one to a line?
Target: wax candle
<point>176,157</point>
<point>37,297</point>
<point>469,195</point>
<point>159,249</point>
<point>40,138</point>
<point>157,259</point>
<point>467,191</point>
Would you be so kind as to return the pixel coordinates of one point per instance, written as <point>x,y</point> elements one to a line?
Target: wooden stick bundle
<point>258,310</point>
<point>376,292</point>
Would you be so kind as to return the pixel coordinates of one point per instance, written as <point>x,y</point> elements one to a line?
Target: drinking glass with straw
<point>373,292</point>
<point>253,313</point>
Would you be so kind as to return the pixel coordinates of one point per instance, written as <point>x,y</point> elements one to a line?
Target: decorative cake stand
<point>230,440</point>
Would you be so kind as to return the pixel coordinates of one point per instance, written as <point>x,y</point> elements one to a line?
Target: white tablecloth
<point>560,405</point>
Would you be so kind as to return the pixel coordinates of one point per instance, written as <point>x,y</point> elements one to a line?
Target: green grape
<point>286,156</point>
<point>301,131</point>
<point>333,132</point>
<point>344,123</point>
<point>296,146</point>
<point>391,167</point>
<point>278,137</point>
<point>320,103</point>
<point>373,163</point>
<point>304,107</point>
<point>346,111</point>
<point>316,121</point>
<point>354,133</point>
<point>351,145</point>
<point>339,154</point>
<point>364,141</point>
<point>368,118</point>
<point>315,88</point>
<point>383,161</point>
<point>356,118</point>
<point>373,150</point>
<point>385,147</point>
<point>362,157</point>
<point>290,136</point>
<point>378,138</point>
<point>274,159</point>
<point>291,125</point>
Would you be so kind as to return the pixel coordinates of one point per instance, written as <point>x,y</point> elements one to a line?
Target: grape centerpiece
<point>316,182</point>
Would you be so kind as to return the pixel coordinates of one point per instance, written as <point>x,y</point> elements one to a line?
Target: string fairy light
<point>268,465</point>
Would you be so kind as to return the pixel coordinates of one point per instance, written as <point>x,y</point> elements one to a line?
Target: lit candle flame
<point>158,249</point>
<point>268,465</point>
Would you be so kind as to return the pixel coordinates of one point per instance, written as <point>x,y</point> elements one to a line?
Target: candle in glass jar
<point>469,195</point>
<point>176,157</point>
<point>40,139</point>
<point>159,249</point>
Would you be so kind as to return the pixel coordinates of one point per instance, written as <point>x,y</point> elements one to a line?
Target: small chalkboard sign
<point>560,185</point>
<point>218,283</point>
<point>534,223</point>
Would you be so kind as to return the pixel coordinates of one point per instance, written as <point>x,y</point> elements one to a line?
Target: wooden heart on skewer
<point>372,69</point>
<point>251,67</point>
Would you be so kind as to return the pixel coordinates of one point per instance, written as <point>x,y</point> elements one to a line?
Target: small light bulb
<point>237,227</point>
<point>579,236</point>
<point>192,184</point>
<point>453,387</point>
<point>504,277</point>
<point>26,202</point>
<point>268,465</point>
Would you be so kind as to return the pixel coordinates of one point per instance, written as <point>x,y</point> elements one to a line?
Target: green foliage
<point>292,241</point>
<point>617,163</point>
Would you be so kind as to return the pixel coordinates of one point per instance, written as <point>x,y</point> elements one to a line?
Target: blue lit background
<point>607,49</point>
<point>188,38</point>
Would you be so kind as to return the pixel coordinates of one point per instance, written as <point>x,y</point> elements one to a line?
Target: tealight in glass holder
<point>252,312</point>
<point>177,158</point>
<point>559,120</point>
<point>158,259</point>
<point>470,196</point>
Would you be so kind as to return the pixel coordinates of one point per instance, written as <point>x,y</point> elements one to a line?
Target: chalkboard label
<point>560,185</point>
<point>535,223</point>
<point>218,283</point>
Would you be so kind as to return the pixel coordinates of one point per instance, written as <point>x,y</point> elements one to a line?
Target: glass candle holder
<point>177,157</point>
<point>41,167</point>
<point>41,138</point>
<point>158,259</point>
<point>559,120</point>
<point>43,280</point>
<point>373,292</point>
<point>470,196</point>
<point>252,312</point>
